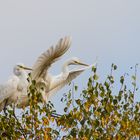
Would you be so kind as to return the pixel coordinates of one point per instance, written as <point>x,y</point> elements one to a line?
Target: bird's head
<point>77,61</point>
<point>19,69</point>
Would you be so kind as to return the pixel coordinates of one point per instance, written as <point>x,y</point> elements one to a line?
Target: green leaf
<point>65,109</point>
<point>115,67</point>
<point>107,85</point>
<point>78,102</point>
<point>133,77</point>
<point>115,101</point>
<point>94,69</point>
<point>95,77</point>
<point>122,79</point>
<point>76,88</point>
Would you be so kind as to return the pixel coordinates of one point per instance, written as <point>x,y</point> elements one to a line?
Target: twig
<point>21,128</point>
<point>56,115</point>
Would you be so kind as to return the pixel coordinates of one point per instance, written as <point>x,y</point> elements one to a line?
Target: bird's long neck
<point>23,75</point>
<point>57,80</point>
<point>65,69</point>
<point>23,83</point>
<point>23,79</point>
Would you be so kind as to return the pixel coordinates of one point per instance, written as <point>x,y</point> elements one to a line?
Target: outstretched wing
<point>72,75</point>
<point>8,88</point>
<point>47,58</point>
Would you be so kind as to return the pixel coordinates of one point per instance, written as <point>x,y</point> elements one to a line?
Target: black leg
<point>5,105</point>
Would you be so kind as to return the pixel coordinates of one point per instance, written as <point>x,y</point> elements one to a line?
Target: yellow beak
<point>25,68</point>
<point>83,64</point>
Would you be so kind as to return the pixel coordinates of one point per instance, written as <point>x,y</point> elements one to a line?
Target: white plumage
<point>15,87</point>
<point>58,82</point>
<point>53,83</point>
<point>15,90</point>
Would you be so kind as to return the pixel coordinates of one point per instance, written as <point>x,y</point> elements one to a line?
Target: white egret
<point>54,83</point>
<point>15,87</point>
<point>15,90</point>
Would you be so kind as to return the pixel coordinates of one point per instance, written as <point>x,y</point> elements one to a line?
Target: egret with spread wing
<point>54,83</point>
<point>15,90</point>
<point>15,87</point>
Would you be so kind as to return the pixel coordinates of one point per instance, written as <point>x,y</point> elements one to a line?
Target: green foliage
<point>98,113</point>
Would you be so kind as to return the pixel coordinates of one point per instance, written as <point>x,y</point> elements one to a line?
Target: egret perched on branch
<point>40,73</point>
<point>54,83</point>
<point>15,87</point>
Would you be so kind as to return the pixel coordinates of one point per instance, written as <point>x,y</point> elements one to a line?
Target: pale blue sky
<point>104,28</point>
